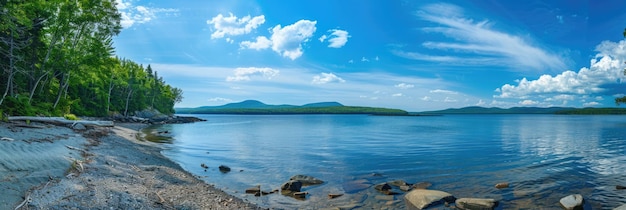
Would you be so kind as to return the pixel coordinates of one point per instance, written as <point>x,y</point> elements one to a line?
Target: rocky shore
<point>54,167</point>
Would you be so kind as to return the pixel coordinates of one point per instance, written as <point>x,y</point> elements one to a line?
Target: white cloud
<point>322,38</point>
<point>324,78</point>
<point>481,103</point>
<point>397,95</point>
<point>243,74</point>
<point>219,99</point>
<point>351,61</point>
<point>234,26</point>
<point>605,70</point>
<point>404,86</point>
<point>476,43</point>
<point>337,38</point>
<point>528,102</point>
<point>131,15</point>
<point>449,100</point>
<point>260,43</point>
<point>363,59</point>
<point>426,98</point>
<point>288,40</point>
<point>377,58</point>
<point>444,91</point>
<point>593,103</point>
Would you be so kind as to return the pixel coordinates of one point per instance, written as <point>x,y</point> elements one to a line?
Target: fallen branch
<point>61,121</point>
<point>26,201</point>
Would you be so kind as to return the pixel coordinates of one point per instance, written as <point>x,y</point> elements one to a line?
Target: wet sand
<point>54,167</point>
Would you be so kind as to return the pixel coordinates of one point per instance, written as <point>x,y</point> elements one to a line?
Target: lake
<point>543,157</point>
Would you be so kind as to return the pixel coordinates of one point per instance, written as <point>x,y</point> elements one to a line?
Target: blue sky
<point>412,55</point>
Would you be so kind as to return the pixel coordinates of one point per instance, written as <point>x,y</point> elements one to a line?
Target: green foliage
<point>594,111</point>
<point>70,117</point>
<point>56,57</point>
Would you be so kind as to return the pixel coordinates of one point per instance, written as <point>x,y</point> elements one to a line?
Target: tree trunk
<point>130,93</point>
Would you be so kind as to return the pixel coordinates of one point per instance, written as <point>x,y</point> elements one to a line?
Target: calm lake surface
<point>543,157</point>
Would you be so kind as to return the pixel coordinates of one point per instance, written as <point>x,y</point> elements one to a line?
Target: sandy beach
<point>53,167</point>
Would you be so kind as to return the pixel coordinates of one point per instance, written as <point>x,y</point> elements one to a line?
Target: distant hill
<point>496,110</point>
<point>257,107</point>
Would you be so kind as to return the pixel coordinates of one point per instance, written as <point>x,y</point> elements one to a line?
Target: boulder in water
<point>254,190</point>
<point>306,180</point>
<point>571,202</point>
<point>291,186</point>
<point>224,169</point>
<point>420,199</point>
<point>476,203</point>
<point>502,185</point>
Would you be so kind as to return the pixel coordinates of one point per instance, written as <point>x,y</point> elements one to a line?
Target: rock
<point>224,169</point>
<point>622,207</point>
<point>79,127</point>
<point>398,183</point>
<point>502,185</point>
<point>420,199</point>
<point>300,195</point>
<point>405,188</point>
<point>254,190</point>
<point>356,185</point>
<point>291,186</point>
<point>204,166</point>
<point>421,185</point>
<point>331,195</point>
<point>572,202</point>
<point>620,187</point>
<point>306,180</point>
<point>476,203</point>
<point>382,187</point>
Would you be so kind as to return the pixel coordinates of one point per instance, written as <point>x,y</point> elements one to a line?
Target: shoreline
<point>98,168</point>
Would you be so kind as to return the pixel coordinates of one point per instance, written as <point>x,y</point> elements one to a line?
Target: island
<point>254,107</point>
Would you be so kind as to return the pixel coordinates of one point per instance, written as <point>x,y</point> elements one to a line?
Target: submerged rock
<point>291,186</point>
<point>306,180</point>
<point>356,185</point>
<point>502,185</point>
<point>224,169</point>
<point>420,199</point>
<point>622,207</point>
<point>571,202</point>
<point>331,195</point>
<point>398,183</point>
<point>421,185</point>
<point>476,203</point>
<point>254,190</point>
<point>620,187</point>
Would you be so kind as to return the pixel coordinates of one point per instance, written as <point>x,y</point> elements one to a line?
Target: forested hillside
<point>57,57</point>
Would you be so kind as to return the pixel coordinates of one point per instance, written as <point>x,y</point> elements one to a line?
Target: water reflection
<point>544,157</point>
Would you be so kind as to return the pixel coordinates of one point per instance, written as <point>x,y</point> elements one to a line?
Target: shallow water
<point>543,157</point>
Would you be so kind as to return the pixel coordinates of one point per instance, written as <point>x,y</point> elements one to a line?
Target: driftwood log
<point>62,121</point>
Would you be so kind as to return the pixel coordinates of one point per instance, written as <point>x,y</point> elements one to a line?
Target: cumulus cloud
<point>260,43</point>
<point>605,71</point>
<point>244,74</point>
<point>606,68</point>
<point>444,91</point>
<point>234,26</point>
<point>131,15</point>
<point>337,38</point>
<point>363,59</point>
<point>528,102</point>
<point>477,43</point>
<point>404,86</point>
<point>397,95</point>
<point>286,41</point>
<point>425,98</point>
<point>324,78</point>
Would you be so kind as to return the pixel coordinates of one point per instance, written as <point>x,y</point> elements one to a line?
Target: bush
<point>71,117</point>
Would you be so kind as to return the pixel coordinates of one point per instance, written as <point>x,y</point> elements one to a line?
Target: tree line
<point>57,57</point>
